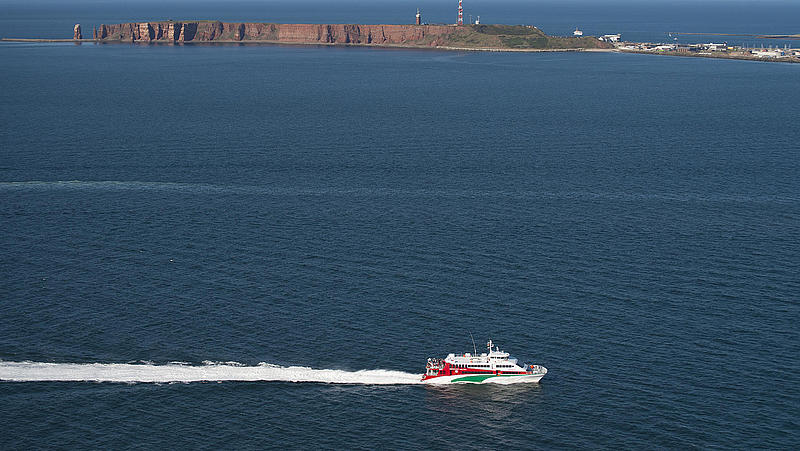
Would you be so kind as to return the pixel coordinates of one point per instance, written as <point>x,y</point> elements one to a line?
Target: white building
<point>664,48</point>
<point>610,37</point>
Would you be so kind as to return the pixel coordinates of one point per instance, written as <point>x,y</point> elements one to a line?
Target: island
<point>461,37</point>
<point>475,37</point>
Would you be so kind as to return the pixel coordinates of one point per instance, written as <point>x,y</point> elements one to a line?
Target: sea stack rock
<point>77,32</point>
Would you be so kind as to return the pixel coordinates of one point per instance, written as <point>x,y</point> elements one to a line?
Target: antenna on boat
<point>474,349</point>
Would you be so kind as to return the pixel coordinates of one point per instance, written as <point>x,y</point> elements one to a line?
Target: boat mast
<point>474,348</point>
<point>489,356</point>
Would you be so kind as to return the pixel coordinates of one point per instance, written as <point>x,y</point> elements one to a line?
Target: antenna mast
<point>474,348</point>
<point>460,13</point>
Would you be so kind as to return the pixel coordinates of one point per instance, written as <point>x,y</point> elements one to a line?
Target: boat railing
<point>435,364</point>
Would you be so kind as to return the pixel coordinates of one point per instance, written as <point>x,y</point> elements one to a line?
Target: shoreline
<point>326,44</point>
<point>412,47</point>
<point>718,56</point>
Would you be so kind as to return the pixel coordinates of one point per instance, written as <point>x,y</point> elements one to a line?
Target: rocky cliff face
<point>470,36</point>
<point>428,35</point>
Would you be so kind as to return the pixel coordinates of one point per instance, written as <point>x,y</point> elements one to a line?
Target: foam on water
<point>180,372</point>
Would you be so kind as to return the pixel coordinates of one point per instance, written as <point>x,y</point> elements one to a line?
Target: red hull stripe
<point>474,372</point>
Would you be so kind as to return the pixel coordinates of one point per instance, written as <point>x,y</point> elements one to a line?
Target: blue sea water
<point>631,222</point>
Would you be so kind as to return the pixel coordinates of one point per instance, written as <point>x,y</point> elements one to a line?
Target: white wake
<point>180,372</point>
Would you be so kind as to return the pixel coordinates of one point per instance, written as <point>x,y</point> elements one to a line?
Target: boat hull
<point>502,379</point>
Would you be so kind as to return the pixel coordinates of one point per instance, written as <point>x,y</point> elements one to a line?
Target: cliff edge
<point>467,36</point>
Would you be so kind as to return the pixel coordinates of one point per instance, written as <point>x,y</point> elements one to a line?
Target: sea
<point>259,246</point>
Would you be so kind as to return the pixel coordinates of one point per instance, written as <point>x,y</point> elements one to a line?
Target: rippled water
<point>629,222</point>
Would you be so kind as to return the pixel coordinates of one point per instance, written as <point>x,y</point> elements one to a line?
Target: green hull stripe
<point>483,378</point>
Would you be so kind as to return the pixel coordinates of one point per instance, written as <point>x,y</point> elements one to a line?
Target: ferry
<point>495,367</point>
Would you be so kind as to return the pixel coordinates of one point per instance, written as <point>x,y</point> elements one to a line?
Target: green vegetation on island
<point>518,37</point>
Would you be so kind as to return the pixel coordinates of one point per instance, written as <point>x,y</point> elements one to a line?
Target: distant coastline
<point>472,37</point>
<point>477,37</point>
<point>713,50</point>
<point>446,37</point>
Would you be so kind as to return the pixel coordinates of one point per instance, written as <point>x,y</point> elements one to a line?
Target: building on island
<point>610,37</point>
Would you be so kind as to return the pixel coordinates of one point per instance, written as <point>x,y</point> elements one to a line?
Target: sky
<point>371,3</point>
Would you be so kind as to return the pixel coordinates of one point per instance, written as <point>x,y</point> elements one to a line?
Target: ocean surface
<point>221,246</point>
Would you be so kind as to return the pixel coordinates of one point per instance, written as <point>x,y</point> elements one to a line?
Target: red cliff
<point>468,36</point>
<point>172,32</point>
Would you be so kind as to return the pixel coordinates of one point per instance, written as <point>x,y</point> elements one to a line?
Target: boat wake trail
<point>182,372</point>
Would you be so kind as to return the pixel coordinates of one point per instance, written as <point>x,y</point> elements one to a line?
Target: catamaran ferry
<point>495,367</point>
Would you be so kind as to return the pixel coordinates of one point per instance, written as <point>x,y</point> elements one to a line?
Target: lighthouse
<point>460,13</point>
<point>419,17</point>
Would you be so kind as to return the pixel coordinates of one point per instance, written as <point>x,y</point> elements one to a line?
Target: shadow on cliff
<point>189,31</point>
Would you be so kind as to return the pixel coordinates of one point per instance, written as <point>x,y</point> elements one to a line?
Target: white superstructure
<point>494,366</point>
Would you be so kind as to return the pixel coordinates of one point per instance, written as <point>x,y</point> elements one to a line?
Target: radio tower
<point>460,13</point>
